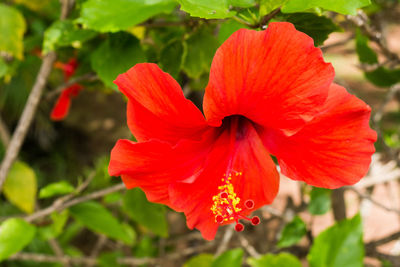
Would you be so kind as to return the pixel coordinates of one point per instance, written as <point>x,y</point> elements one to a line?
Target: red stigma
<point>249,204</point>
<point>239,227</point>
<point>219,219</point>
<point>224,195</point>
<point>255,220</point>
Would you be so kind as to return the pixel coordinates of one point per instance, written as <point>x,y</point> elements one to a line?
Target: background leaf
<point>339,245</point>
<point>317,27</point>
<point>292,232</point>
<point>12,29</point>
<point>15,234</point>
<point>201,47</point>
<point>20,187</point>
<point>150,215</point>
<point>231,258</point>
<point>279,260</point>
<point>320,201</point>
<point>116,55</point>
<point>201,260</point>
<point>98,219</point>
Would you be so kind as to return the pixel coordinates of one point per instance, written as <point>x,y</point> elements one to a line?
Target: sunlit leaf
<point>116,15</point>
<point>20,187</point>
<point>201,260</point>
<point>12,29</point>
<point>15,234</point>
<point>340,6</point>
<point>54,189</point>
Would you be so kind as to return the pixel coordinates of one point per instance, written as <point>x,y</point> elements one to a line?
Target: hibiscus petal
<point>154,164</point>
<point>157,108</point>
<point>254,177</point>
<point>276,78</point>
<point>332,150</point>
<point>61,107</point>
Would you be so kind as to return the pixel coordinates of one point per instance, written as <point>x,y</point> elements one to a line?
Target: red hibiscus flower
<point>270,92</point>
<point>63,103</point>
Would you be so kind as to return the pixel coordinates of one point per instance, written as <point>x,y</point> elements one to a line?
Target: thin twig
<point>225,240</point>
<point>249,248</point>
<point>58,251</point>
<point>90,77</point>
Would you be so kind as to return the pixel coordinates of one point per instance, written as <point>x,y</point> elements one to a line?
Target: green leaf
<point>56,228</point>
<point>231,258</point>
<point>98,219</point>
<point>116,55</point>
<point>242,3</point>
<point>116,15</point>
<point>227,28</point>
<point>348,7</point>
<point>171,57</point>
<point>65,33</point>
<point>12,29</point>
<point>201,260</point>
<point>320,201</point>
<point>292,232</point>
<point>267,6</point>
<point>383,77</point>
<point>54,189</point>
<point>15,234</point>
<point>209,9</point>
<point>317,27</point>
<point>339,245</point>
<point>20,187</point>
<point>271,260</point>
<point>364,52</point>
<point>150,215</point>
<point>201,47</point>
<point>3,68</point>
<point>110,259</point>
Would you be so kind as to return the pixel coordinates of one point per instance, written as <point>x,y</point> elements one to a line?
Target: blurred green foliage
<point>108,37</point>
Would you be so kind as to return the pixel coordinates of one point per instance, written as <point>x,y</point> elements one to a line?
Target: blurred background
<point>59,206</point>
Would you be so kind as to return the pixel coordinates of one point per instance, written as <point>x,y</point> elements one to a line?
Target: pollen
<point>226,204</point>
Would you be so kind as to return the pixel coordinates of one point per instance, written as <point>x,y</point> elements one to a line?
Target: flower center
<point>226,204</point>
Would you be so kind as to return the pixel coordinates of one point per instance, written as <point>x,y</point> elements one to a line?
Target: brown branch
<point>30,108</point>
<point>4,133</point>
<point>338,204</point>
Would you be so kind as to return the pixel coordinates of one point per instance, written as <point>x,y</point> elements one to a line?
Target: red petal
<point>157,108</point>
<point>276,78</point>
<point>153,165</point>
<point>61,108</point>
<point>332,150</point>
<point>259,180</point>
